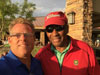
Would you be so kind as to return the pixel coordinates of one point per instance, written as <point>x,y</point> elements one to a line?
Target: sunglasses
<point>58,28</point>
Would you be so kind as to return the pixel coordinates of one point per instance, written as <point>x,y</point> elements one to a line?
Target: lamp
<point>71,18</point>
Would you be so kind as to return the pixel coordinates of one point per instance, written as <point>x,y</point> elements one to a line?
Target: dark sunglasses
<point>58,28</point>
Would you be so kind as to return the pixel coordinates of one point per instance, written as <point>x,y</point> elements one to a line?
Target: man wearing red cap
<point>65,55</point>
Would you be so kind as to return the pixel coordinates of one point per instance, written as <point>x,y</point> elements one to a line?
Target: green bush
<point>6,45</point>
<point>35,50</point>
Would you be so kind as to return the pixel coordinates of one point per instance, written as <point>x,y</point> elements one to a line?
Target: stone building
<point>86,19</point>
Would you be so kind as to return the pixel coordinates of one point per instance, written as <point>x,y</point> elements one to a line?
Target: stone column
<point>42,37</point>
<point>87,21</point>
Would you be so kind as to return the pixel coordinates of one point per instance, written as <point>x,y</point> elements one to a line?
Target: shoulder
<point>4,67</point>
<point>81,45</point>
<point>36,65</point>
<point>45,48</point>
<point>43,51</point>
<point>3,62</point>
<point>35,61</point>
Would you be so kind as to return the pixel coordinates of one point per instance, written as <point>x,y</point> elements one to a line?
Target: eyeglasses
<point>58,28</point>
<point>18,35</point>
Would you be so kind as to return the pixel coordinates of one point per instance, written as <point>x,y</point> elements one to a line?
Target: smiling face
<point>57,37</point>
<point>21,40</point>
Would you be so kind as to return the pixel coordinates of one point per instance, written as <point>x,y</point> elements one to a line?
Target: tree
<point>26,10</point>
<point>9,11</point>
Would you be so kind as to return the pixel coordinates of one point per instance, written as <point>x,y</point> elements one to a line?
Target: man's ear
<point>9,39</point>
<point>66,29</point>
<point>34,37</point>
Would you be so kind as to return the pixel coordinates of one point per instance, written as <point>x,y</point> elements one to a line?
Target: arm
<point>93,65</point>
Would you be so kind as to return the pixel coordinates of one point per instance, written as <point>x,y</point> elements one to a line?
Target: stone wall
<point>82,29</point>
<point>75,30</point>
<point>88,13</point>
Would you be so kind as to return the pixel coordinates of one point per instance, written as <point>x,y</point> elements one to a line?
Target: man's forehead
<point>21,28</point>
<point>54,25</point>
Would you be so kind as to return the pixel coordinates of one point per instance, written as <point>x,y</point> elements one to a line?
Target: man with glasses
<point>19,60</point>
<point>65,55</point>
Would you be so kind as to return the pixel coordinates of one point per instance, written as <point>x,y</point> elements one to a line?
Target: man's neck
<point>26,61</point>
<point>60,49</point>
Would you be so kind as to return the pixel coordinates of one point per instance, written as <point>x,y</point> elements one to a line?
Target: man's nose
<point>54,32</point>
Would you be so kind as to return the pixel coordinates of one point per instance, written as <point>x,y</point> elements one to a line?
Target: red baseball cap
<point>57,18</point>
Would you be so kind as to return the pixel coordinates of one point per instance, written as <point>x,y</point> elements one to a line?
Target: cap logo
<point>76,62</point>
<point>52,15</point>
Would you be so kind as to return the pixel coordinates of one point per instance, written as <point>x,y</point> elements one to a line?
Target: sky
<point>43,7</point>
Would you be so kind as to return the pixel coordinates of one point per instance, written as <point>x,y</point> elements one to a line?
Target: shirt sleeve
<point>93,64</point>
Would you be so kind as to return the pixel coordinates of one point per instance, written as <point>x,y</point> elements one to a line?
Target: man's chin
<point>56,44</point>
<point>24,55</point>
<point>23,47</point>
